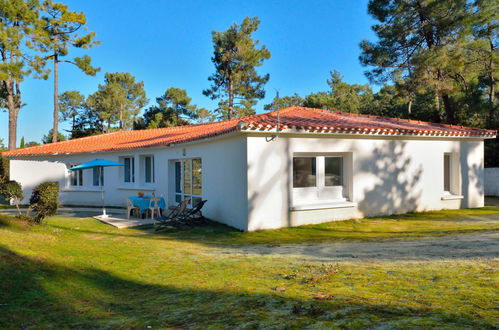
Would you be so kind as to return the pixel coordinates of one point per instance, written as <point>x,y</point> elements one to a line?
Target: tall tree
<point>118,101</point>
<point>284,102</point>
<point>48,138</point>
<point>173,108</point>
<point>18,30</point>
<point>236,82</point>
<point>71,105</point>
<point>61,27</point>
<point>348,97</point>
<point>413,39</point>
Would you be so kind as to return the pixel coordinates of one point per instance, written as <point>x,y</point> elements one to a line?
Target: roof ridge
<point>415,121</point>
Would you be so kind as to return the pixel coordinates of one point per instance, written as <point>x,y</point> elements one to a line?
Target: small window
<point>149,169</point>
<point>447,172</point>
<point>304,172</point>
<point>76,177</point>
<point>129,169</point>
<point>333,171</point>
<point>98,173</point>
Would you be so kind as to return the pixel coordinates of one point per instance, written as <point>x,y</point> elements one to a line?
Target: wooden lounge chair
<point>194,213</point>
<point>174,214</point>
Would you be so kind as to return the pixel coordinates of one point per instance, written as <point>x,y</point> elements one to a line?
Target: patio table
<point>143,202</point>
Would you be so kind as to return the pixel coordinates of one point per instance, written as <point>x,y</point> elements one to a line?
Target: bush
<point>45,200</point>
<point>4,168</point>
<point>12,190</point>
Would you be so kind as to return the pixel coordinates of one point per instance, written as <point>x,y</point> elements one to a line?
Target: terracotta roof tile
<point>292,118</point>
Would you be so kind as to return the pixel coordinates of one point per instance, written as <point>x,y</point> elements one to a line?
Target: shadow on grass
<point>39,294</point>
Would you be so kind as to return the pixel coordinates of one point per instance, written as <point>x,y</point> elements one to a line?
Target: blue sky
<point>168,44</point>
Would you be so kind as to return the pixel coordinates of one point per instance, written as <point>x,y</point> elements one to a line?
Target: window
<point>149,169</point>
<point>129,169</point>
<point>304,172</point>
<point>333,171</point>
<point>447,172</point>
<point>98,173</point>
<point>75,177</point>
<point>319,178</point>
<point>188,180</point>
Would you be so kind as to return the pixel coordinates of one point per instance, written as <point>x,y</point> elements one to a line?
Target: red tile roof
<point>290,119</point>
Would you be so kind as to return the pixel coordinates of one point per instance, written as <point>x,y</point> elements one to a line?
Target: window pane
<point>73,177</point>
<point>333,175</point>
<point>196,177</point>
<point>80,177</point>
<point>178,175</point>
<point>148,164</point>
<point>133,169</point>
<point>446,172</point>
<point>187,176</point>
<point>304,172</point>
<point>127,169</point>
<point>96,175</point>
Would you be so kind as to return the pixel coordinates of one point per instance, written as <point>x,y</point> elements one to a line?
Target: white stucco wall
<point>223,176</point>
<point>248,181</point>
<point>388,176</point>
<point>492,181</point>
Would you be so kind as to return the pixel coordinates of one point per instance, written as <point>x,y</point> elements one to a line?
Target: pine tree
<point>61,28</point>
<point>413,39</point>
<point>19,28</point>
<point>235,83</point>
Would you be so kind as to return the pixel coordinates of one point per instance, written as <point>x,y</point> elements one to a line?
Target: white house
<point>292,167</point>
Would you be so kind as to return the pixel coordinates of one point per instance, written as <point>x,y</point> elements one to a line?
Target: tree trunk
<point>492,86</point>
<point>55,129</point>
<point>437,107</point>
<point>13,113</point>
<point>121,116</point>
<point>409,108</point>
<point>449,110</point>
<point>230,110</point>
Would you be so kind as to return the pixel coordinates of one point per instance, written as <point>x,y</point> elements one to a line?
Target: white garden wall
<point>388,175</point>
<point>492,181</point>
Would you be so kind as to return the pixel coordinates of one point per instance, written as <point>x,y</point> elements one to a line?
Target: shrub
<point>45,200</point>
<point>12,190</point>
<point>4,168</point>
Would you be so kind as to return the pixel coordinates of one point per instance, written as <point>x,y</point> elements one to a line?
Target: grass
<point>81,273</point>
<point>405,226</point>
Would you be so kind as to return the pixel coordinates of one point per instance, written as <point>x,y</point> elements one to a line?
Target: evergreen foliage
<point>45,200</point>
<point>236,83</point>
<point>61,28</point>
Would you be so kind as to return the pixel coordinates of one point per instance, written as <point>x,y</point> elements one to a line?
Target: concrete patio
<point>123,222</point>
<point>116,218</point>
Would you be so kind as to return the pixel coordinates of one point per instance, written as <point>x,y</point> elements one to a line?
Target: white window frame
<point>322,193</point>
<point>454,174</point>
<point>77,174</point>
<point>153,170</point>
<point>131,168</point>
<point>99,172</point>
<point>181,194</point>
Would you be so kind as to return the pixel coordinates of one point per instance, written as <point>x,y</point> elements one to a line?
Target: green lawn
<point>81,273</point>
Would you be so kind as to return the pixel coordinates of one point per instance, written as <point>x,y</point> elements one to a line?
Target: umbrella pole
<point>104,215</point>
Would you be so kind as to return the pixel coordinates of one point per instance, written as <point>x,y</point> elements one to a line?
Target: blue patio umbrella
<point>99,164</point>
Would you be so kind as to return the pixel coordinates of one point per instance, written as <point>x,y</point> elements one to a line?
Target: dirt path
<point>480,245</point>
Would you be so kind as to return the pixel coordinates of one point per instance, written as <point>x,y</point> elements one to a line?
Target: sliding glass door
<point>188,180</point>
